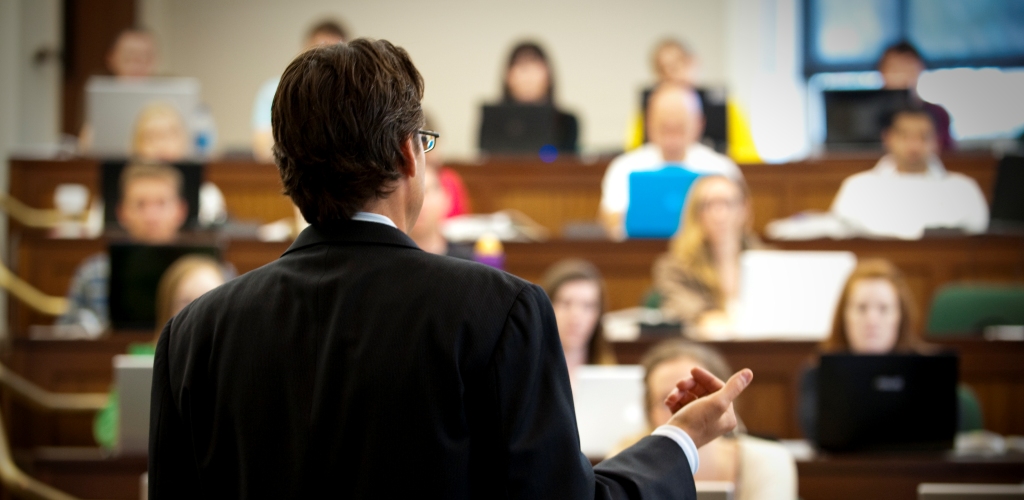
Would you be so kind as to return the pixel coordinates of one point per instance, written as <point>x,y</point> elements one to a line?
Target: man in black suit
<point>358,365</point>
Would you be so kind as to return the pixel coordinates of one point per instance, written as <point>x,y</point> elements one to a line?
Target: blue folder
<point>656,201</point>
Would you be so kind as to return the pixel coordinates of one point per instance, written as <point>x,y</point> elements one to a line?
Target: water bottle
<point>205,132</point>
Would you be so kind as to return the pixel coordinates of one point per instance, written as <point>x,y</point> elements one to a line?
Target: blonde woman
<point>698,279</point>
<point>759,469</point>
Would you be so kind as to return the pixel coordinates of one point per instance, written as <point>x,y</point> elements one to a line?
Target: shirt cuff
<point>683,440</point>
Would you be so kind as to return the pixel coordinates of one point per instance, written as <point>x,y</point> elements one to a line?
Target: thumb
<point>736,384</point>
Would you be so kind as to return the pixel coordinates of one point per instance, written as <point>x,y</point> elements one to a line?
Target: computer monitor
<point>1008,196</point>
<point>609,403</point>
<point>135,272</point>
<point>854,118</point>
<point>133,376</point>
<point>110,183</point>
<point>656,201</point>
<point>518,128</point>
<point>891,402</point>
<point>112,106</point>
<point>790,295</point>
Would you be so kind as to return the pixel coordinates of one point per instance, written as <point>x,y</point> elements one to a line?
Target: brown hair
<point>671,350</point>
<point>690,245</point>
<point>137,171</point>
<point>327,27</point>
<point>906,339</point>
<point>903,48</point>
<point>171,280</point>
<point>340,117</point>
<point>567,270</point>
<point>528,50</point>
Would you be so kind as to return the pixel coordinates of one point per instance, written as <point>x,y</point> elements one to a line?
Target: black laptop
<point>854,118</point>
<point>1008,196</point>
<point>894,402</point>
<point>518,128</point>
<point>135,272</point>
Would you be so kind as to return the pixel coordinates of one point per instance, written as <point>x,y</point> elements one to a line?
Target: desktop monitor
<point>135,272</point>
<point>854,118</point>
<point>517,128</point>
<point>889,402</point>
<point>112,106</point>
<point>1008,196</point>
<point>656,201</point>
<point>110,183</point>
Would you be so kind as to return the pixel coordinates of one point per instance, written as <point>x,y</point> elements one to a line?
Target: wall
<point>600,50</point>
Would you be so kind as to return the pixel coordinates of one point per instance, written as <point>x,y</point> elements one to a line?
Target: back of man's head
<point>340,117</point>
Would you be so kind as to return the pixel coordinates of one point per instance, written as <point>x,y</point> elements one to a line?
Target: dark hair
<point>528,50</point>
<point>327,27</point>
<point>568,270</point>
<point>903,48</point>
<point>889,119</point>
<point>340,117</point>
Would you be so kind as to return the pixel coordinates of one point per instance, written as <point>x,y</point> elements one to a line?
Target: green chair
<point>968,309</point>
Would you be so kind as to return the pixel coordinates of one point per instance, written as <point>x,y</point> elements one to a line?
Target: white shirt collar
<point>372,217</point>
<point>887,166</point>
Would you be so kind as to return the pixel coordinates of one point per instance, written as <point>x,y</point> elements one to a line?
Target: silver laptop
<point>790,295</point>
<point>133,375</point>
<point>609,403</point>
<point>112,106</point>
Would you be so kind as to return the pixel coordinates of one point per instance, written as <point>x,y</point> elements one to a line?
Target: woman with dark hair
<point>577,295</point>
<point>529,81</point>
<point>875,316</point>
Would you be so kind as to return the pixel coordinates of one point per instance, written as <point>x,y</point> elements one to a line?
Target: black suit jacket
<point>360,366</point>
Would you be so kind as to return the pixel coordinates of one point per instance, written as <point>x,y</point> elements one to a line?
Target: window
<point>843,35</point>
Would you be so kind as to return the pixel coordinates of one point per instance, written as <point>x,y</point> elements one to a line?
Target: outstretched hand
<point>702,405</point>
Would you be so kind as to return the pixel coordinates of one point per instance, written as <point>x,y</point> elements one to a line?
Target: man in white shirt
<point>909,190</point>
<point>675,123</point>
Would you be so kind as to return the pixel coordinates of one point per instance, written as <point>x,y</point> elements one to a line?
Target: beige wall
<point>600,50</point>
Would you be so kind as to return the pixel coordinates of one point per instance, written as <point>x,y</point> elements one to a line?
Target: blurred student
<point>901,66</point>
<point>151,211</point>
<point>426,232</point>
<point>675,123</point>
<point>909,190</point>
<point>324,32</point>
<point>529,80</point>
<point>577,294</point>
<point>673,62</point>
<point>187,279</point>
<point>699,278</point>
<point>875,316</point>
<point>451,181</point>
<point>759,469</point>
<point>160,136</point>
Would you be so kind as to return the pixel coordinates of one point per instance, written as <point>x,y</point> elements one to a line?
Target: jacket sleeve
<point>172,469</point>
<point>538,423</point>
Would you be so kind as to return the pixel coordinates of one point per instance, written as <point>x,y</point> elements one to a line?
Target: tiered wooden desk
<point>554,195</point>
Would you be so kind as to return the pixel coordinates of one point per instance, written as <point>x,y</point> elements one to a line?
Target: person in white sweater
<point>909,190</point>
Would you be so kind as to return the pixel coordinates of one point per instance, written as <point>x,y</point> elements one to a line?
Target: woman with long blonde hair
<point>698,279</point>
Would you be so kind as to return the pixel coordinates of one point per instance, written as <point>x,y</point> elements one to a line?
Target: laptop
<point>609,403</point>
<point>854,118</point>
<point>894,402</point>
<point>135,272</point>
<point>112,106</point>
<point>656,201</point>
<point>133,376</point>
<point>715,490</point>
<point>517,128</point>
<point>790,295</point>
<point>1008,196</point>
<point>110,183</point>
